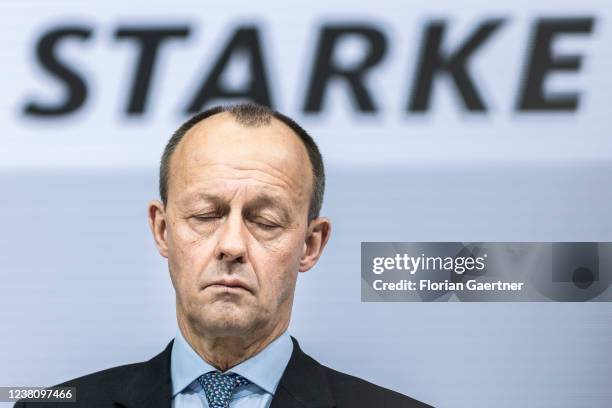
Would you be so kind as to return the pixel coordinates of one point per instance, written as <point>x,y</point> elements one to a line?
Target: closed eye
<point>265,225</point>
<point>207,217</point>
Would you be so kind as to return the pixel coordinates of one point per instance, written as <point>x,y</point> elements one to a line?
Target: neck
<point>227,351</point>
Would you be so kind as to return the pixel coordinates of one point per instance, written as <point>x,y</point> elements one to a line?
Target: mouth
<point>228,285</point>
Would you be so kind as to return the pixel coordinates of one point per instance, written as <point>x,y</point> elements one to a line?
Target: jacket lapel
<point>150,386</point>
<point>303,384</point>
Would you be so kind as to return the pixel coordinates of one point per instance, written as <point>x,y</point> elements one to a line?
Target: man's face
<point>235,227</point>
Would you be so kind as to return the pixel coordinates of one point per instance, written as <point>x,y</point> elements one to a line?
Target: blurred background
<point>438,121</point>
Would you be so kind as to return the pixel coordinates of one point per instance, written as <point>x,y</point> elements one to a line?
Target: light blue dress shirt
<point>264,370</point>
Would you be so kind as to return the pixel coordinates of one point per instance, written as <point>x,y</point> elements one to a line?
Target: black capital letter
<point>324,69</point>
<point>149,40</point>
<point>76,90</point>
<point>245,40</point>
<point>542,62</point>
<point>432,62</point>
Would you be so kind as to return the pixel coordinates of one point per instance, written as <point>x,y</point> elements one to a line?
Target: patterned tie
<point>219,387</point>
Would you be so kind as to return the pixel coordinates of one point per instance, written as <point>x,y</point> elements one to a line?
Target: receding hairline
<point>244,122</point>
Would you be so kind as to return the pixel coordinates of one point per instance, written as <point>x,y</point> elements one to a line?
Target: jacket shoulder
<point>92,390</point>
<point>133,383</point>
<point>104,379</point>
<point>351,391</point>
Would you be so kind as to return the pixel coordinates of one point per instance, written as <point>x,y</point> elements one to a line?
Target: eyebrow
<point>201,196</point>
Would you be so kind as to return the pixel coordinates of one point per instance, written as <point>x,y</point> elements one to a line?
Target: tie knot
<point>219,387</point>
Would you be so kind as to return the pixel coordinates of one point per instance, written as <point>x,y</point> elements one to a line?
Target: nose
<point>231,244</point>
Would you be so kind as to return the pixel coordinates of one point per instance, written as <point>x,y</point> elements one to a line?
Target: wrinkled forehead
<point>219,154</point>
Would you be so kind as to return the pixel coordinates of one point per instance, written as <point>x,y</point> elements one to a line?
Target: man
<point>241,189</point>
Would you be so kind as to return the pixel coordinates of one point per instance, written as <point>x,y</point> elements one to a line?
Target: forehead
<point>219,154</point>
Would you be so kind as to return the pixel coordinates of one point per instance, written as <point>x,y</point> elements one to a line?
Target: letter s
<point>47,56</point>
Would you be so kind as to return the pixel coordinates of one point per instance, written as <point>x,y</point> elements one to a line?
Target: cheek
<point>277,269</point>
<point>188,255</point>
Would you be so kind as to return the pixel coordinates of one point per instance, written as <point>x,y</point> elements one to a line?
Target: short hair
<point>250,115</point>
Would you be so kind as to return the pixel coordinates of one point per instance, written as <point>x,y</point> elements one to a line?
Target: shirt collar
<point>264,369</point>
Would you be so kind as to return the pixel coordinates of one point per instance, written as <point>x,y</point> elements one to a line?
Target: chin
<point>225,319</point>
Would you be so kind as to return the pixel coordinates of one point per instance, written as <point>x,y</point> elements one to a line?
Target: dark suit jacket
<point>305,384</point>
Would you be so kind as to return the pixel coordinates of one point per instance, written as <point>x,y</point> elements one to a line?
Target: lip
<point>231,284</point>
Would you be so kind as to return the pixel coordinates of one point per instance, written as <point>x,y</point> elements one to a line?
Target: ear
<point>157,223</point>
<point>317,236</point>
